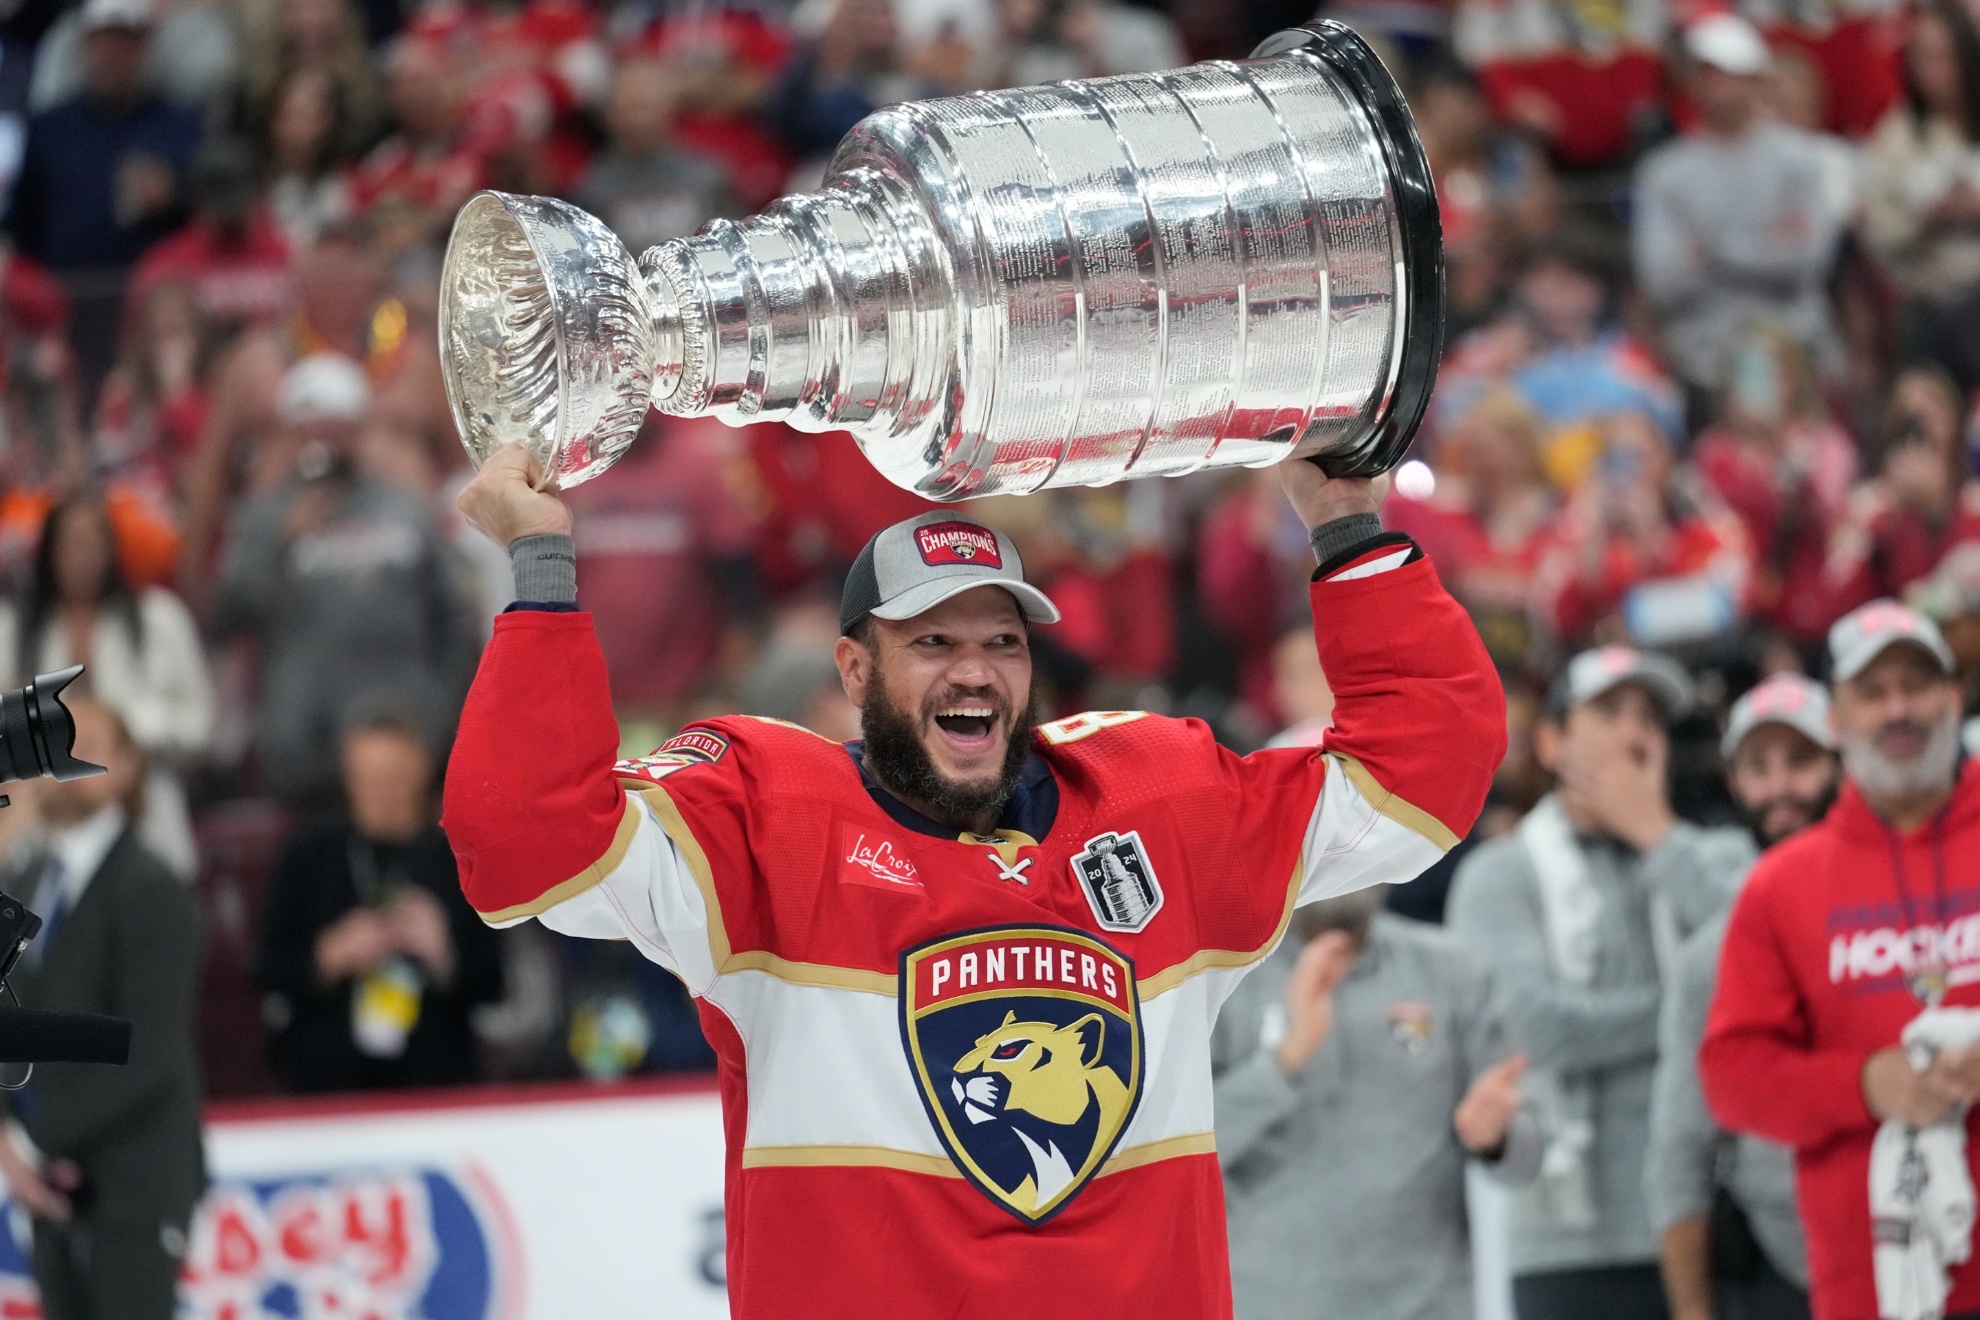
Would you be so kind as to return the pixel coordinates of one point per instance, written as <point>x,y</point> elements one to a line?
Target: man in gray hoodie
<point>1578,911</point>
<point>1723,1206</point>
<point>1357,1070</point>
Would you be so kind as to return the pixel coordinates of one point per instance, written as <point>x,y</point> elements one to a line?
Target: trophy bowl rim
<point>1418,219</point>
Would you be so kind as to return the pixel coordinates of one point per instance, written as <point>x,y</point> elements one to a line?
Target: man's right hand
<point>504,504</point>
<point>1892,1088</point>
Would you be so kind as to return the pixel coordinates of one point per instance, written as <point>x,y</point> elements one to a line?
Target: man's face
<point>97,740</point>
<point>113,61</point>
<point>1624,721</point>
<point>388,777</point>
<point>943,699</point>
<point>1897,723</point>
<point>1782,781</point>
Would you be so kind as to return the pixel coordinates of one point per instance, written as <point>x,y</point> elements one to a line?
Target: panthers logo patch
<point>1026,1047</point>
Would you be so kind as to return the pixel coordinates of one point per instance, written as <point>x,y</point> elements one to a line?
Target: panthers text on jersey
<point>970,1076</point>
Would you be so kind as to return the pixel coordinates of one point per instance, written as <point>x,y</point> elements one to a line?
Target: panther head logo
<point>1047,1083</point>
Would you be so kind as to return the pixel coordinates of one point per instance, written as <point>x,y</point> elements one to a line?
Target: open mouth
<point>968,727</point>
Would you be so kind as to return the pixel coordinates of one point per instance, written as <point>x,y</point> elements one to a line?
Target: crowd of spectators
<point>1714,284</point>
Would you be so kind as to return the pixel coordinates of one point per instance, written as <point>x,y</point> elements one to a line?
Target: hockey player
<point>961,975</point>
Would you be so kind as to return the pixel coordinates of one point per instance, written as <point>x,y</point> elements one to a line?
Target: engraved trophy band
<point>1227,264</point>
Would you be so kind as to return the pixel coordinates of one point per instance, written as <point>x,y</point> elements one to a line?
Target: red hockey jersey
<point>963,1076</point>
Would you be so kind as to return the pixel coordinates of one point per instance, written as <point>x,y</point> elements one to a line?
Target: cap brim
<point>1037,606</point>
<point>1848,667</point>
<point>1729,744</point>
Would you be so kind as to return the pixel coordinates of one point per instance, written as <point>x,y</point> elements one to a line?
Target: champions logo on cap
<point>958,543</point>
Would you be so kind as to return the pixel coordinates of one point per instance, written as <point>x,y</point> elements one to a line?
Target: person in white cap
<point>1852,940</point>
<point>1576,913</point>
<point>347,583</point>
<point>1736,224</point>
<point>1723,1207</point>
<point>961,974</point>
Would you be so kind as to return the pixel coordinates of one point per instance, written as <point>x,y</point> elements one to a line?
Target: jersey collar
<point>1030,812</point>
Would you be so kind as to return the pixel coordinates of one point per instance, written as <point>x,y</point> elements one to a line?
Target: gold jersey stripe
<point>822,974</point>
<point>676,826</point>
<point>590,877</point>
<point>869,1157</point>
<point>1169,1148</point>
<point>1406,814</point>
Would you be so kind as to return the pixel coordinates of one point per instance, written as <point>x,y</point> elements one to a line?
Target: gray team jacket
<point>1345,1185</point>
<point>1608,1029</point>
<point>1689,1154</point>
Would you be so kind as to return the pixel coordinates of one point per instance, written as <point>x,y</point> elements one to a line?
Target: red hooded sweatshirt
<point>1812,981</point>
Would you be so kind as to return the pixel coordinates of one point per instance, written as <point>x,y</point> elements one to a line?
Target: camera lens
<point>37,734</point>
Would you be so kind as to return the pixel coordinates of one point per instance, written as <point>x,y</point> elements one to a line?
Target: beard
<point>1755,818</point>
<point>900,761</point>
<point>1931,771</point>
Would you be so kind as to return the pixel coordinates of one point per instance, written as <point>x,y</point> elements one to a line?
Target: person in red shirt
<point>1841,936</point>
<point>231,252</point>
<point>1784,468</point>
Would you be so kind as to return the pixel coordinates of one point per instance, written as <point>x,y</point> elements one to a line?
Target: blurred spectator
<point>371,958</point>
<point>722,63</point>
<point>324,38</point>
<point>664,550</point>
<point>1923,212</point>
<point>643,185</point>
<point>1045,41</point>
<point>152,406</point>
<point>1735,224</point>
<point>1798,94</point>
<point>412,183</point>
<point>1777,461</point>
<point>144,658</point>
<point>1849,46</point>
<point>1300,689</point>
<point>1485,523</point>
<point>194,57</point>
<point>338,310</point>
<point>1921,504</point>
<point>1802,1041</point>
<point>1637,555</point>
<point>1723,1207</point>
<point>1357,1071</point>
<point>304,151</point>
<point>347,585</point>
<point>1252,564</point>
<point>851,68</point>
<point>107,1162</point>
<point>1566,911</point>
<point>102,174</point>
<point>1584,81</point>
<point>232,253</point>
<point>800,685</point>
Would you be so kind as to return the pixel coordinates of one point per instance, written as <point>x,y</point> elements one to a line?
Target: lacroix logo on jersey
<point>1025,1044</point>
<point>958,543</point>
<point>868,857</point>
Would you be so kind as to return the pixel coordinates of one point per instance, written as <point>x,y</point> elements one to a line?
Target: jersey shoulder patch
<point>725,741</point>
<point>684,751</point>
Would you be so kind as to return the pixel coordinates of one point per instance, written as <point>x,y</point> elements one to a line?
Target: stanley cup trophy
<point>1224,265</point>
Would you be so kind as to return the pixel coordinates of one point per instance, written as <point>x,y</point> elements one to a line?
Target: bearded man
<point>1854,932</point>
<point>961,975</point>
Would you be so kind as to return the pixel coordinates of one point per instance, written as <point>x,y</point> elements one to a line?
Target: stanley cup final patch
<point>1026,1047</point>
<point>1118,880</point>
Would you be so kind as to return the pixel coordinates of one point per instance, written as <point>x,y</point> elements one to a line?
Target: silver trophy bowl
<point>1228,264</point>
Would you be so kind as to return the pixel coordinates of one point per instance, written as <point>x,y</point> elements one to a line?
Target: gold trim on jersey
<point>589,878</point>
<point>1406,814</point>
<point>803,973</point>
<point>668,813</point>
<point>1169,1148</point>
<point>870,1157</point>
<point>1006,842</point>
<point>1203,959</point>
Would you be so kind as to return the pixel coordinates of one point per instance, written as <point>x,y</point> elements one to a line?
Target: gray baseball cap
<point>1592,673</point>
<point>1800,703</point>
<point>914,566</point>
<point>1867,631</point>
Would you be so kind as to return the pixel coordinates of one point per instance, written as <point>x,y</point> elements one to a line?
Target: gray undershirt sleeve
<point>545,568</point>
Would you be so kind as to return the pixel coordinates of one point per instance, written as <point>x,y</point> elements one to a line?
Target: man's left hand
<point>1319,498</point>
<point>1488,1107</point>
<point>28,1188</point>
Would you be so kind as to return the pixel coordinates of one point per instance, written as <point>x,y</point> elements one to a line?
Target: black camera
<point>38,741</point>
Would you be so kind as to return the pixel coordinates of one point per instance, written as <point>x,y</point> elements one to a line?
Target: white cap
<point>328,387</point>
<point>1867,631</point>
<point>1592,673</point>
<point>1800,703</point>
<point>1728,42</point>
<point>100,14</point>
